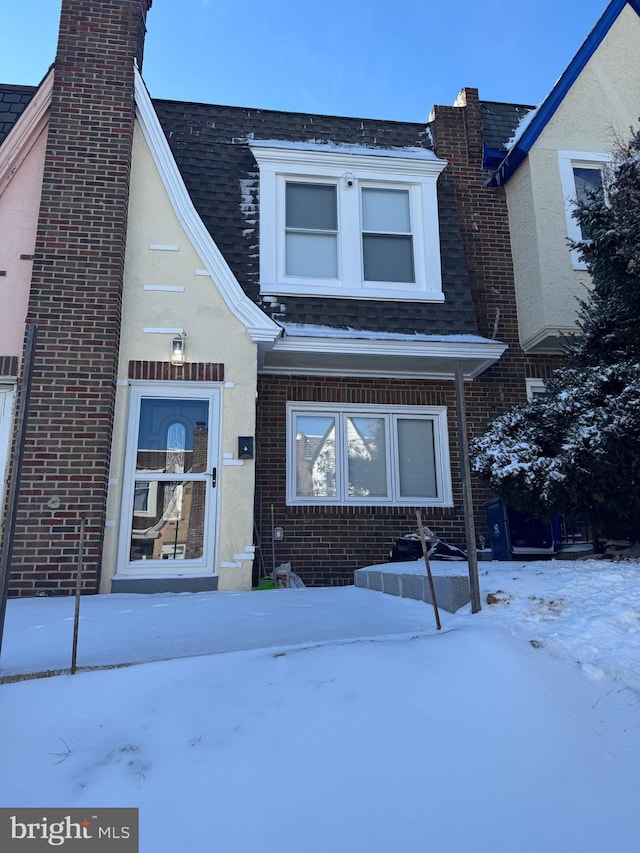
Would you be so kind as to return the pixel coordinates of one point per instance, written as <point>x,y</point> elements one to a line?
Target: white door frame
<point>7,407</point>
<point>206,564</point>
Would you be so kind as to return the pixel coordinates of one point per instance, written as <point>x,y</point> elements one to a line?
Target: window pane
<point>416,458</point>
<point>173,436</point>
<point>386,211</point>
<point>387,258</point>
<point>367,457</point>
<point>315,461</point>
<point>168,520</point>
<point>311,206</point>
<point>312,255</point>
<point>586,180</point>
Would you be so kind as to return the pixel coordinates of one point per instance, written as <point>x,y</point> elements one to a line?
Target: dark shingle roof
<point>13,100</point>
<point>210,145</point>
<point>499,122</point>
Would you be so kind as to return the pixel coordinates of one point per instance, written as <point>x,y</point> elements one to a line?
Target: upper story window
<point>580,174</point>
<point>349,222</point>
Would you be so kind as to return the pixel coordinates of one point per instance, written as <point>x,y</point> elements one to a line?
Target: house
<point>557,154</point>
<point>249,323</point>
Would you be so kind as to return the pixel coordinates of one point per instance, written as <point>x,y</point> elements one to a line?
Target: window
<point>311,230</point>
<point>387,242</point>
<point>580,174</point>
<point>535,389</point>
<point>362,224</point>
<point>367,455</point>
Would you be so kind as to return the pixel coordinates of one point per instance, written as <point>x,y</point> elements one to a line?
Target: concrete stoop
<point>452,590</point>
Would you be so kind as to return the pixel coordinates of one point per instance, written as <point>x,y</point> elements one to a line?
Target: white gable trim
<point>25,132</point>
<point>260,328</point>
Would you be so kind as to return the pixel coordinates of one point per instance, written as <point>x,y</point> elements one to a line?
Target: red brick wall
<point>326,544</point>
<point>76,293</point>
<point>484,225</point>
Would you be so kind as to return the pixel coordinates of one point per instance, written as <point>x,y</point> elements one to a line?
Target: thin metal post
<point>467,501</point>
<point>16,471</point>
<point>76,615</point>
<point>425,554</point>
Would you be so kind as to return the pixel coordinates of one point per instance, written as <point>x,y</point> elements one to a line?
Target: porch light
<point>177,349</point>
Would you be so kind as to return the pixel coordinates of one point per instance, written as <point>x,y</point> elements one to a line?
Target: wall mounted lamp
<point>178,349</point>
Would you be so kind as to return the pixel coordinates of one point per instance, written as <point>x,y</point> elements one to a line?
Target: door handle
<point>214,477</point>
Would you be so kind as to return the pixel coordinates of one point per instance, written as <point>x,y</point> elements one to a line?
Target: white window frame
<point>535,389</point>
<point>437,415</point>
<point>7,406</point>
<point>567,161</point>
<point>348,172</point>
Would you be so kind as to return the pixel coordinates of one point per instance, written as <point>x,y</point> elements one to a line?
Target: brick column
<point>76,293</point>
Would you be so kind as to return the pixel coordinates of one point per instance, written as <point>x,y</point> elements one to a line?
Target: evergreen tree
<point>576,450</point>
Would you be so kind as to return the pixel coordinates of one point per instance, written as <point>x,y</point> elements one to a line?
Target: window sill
<point>383,291</point>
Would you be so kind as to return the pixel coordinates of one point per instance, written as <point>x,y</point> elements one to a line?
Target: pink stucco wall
<point>19,207</point>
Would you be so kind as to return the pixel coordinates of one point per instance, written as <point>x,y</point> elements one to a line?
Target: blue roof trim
<point>491,157</point>
<point>555,97</point>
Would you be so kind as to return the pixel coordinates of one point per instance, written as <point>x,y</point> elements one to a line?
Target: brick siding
<point>76,294</point>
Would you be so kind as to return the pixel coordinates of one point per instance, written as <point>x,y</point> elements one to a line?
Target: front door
<point>169,495</point>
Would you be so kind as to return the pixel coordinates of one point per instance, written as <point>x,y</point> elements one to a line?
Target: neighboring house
<point>557,155</point>
<point>21,164</point>
<point>325,278</point>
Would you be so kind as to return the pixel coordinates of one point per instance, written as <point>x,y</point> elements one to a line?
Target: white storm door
<point>170,490</point>
<point>7,404</point>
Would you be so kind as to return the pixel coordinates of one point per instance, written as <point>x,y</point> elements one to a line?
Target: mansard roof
<point>211,145</point>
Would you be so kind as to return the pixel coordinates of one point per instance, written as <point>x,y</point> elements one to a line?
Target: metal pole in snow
<point>467,502</point>
<point>425,554</point>
<point>16,471</point>
<point>76,616</point>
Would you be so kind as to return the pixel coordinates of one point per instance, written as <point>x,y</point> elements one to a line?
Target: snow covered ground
<point>340,719</point>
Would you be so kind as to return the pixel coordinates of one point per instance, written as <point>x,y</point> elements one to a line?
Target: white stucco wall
<point>214,334</point>
<point>602,104</point>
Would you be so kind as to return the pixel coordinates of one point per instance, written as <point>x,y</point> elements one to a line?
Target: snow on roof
<point>307,330</point>
<point>411,152</point>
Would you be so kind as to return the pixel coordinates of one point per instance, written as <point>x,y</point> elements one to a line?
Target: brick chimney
<point>76,294</point>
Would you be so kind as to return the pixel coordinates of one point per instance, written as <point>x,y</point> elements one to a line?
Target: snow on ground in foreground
<point>516,729</point>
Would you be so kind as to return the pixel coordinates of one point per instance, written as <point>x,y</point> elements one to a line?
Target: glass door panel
<point>172,494</point>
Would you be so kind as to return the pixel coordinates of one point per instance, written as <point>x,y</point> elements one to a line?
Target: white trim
<point>168,288</point>
<point>168,390</point>
<point>26,131</point>
<point>259,327</point>
<point>349,168</point>
<point>7,407</point>
<point>163,330</point>
<point>432,359</point>
<point>567,160</point>
<point>436,414</point>
<point>164,247</point>
<point>535,387</point>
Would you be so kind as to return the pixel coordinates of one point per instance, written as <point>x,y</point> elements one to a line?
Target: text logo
<point>36,830</point>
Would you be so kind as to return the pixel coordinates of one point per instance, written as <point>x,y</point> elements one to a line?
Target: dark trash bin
<point>514,534</point>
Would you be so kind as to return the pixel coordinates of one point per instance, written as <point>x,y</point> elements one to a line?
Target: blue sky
<point>389,59</point>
